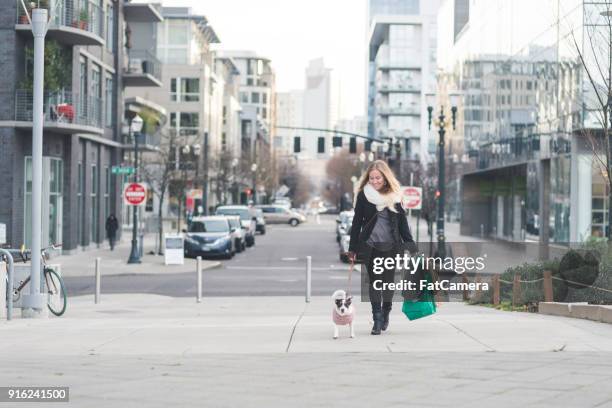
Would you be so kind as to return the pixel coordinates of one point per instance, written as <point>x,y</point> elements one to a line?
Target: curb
<point>597,313</point>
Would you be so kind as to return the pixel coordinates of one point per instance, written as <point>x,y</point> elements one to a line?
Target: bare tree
<point>300,186</point>
<point>157,169</point>
<point>596,59</point>
<point>340,169</point>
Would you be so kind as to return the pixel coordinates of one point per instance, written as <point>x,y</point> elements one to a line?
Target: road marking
<point>289,259</point>
<point>278,268</point>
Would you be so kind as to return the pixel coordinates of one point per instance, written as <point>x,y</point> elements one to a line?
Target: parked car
<point>345,240</point>
<point>282,202</point>
<point>344,220</point>
<point>274,214</point>
<point>247,219</point>
<point>260,223</point>
<point>238,234</point>
<point>209,237</point>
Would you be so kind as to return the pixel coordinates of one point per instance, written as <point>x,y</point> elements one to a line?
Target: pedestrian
<point>112,225</point>
<point>379,229</point>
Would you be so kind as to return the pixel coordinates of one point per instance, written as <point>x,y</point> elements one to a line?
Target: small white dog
<point>343,312</point>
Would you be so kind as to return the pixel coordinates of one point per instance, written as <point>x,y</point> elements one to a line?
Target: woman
<point>379,229</point>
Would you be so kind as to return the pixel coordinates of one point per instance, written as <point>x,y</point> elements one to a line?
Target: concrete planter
<point>597,313</point>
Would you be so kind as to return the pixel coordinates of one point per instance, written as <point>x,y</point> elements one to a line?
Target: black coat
<point>361,229</point>
<point>112,225</point>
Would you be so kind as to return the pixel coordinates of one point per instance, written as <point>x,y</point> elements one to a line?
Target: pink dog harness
<point>342,320</point>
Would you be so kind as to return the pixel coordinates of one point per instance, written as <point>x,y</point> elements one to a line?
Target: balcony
<point>409,64</point>
<point>63,112</point>
<point>143,69</point>
<point>397,111</point>
<point>147,142</point>
<point>71,22</point>
<point>398,88</point>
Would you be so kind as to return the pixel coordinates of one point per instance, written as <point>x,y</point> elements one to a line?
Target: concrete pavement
<point>148,350</point>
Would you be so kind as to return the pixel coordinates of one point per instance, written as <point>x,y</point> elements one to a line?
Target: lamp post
<point>254,190</point>
<point>134,129</point>
<point>431,101</point>
<point>34,303</point>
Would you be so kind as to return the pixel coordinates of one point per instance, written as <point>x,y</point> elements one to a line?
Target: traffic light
<point>321,145</point>
<point>296,145</point>
<point>353,145</point>
<point>337,141</point>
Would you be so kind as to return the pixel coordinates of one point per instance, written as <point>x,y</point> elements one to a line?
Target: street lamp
<point>431,102</point>
<point>134,128</point>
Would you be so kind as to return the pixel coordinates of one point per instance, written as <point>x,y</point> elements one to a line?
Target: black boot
<point>378,321</point>
<point>377,316</point>
<point>386,310</point>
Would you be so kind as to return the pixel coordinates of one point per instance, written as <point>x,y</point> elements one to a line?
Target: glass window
<point>209,226</point>
<point>187,91</point>
<point>185,123</point>
<point>94,203</point>
<point>244,97</point>
<point>173,90</point>
<point>190,89</point>
<point>110,27</point>
<point>264,97</point>
<point>109,100</point>
<point>177,32</point>
<point>255,97</point>
<point>107,191</point>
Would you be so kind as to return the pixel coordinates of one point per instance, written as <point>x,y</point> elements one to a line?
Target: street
<point>275,266</point>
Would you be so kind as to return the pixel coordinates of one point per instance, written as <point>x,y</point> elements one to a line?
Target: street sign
<point>122,170</point>
<point>412,197</point>
<point>135,194</point>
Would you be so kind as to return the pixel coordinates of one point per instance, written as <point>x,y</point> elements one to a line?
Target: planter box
<point>596,313</point>
<point>554,309</point>
<point>606,314</point>
<point>586,311</point>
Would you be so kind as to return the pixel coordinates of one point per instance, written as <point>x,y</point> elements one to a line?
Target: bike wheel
<point>57,292</point>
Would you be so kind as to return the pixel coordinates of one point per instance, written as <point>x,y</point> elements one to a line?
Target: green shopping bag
<point>425,306</point>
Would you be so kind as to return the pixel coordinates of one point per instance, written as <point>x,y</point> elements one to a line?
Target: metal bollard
<point>97,295</point>
<point>11,278</point>
<point>199,272</point>
<point>308,277</point>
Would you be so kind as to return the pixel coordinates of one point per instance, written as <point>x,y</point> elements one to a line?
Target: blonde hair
<point>392,185</point>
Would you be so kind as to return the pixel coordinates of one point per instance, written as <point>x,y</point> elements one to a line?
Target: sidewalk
<point>115,262</point>
<point>155,351</point>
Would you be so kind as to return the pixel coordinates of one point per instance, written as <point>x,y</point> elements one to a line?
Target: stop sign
<point>412,197</point>
<point>135,194</point>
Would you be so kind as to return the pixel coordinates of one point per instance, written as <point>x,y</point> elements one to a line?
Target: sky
<point>293,32</point>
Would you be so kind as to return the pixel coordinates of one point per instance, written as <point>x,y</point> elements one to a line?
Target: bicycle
<point>56,290</point>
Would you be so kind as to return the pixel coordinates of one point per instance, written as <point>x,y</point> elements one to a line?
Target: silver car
<point>274,214</point>
<point>248,219</point>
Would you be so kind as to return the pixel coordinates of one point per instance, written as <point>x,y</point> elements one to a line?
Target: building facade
<point>401,68</point>
<point>526,119</point>
<point>85,77</point>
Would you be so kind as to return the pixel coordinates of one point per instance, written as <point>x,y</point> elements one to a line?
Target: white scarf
<point>381,200</point>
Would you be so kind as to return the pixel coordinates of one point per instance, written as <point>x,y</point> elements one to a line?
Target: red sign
<point>135,194</point>
<point>412,197</point>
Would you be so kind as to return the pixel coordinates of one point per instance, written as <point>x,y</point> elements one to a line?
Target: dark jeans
<point>111,241</point>
<point>380,299</point>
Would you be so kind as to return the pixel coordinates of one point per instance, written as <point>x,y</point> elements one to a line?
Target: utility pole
<point>34,304</point>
